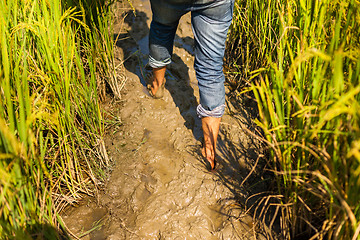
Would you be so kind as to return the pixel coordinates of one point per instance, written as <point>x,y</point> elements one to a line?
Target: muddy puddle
<point>159,187</point>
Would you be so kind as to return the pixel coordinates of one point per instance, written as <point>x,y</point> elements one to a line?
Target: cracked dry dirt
<point>159,187</point>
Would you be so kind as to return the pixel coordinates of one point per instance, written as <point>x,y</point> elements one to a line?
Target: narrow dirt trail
<point>160,187</point>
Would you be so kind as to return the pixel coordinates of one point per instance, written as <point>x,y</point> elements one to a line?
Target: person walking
<point>210,20</point>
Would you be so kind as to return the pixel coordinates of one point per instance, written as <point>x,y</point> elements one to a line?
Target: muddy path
<point>159,187</point>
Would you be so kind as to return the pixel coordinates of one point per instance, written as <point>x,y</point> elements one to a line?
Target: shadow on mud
<point>134,44</point>
<point>244,166</point>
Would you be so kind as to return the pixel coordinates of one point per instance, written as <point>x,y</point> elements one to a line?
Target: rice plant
<point>302,58</point>
<point>53,56</point>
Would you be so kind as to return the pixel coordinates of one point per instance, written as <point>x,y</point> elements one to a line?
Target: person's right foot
<point>209,158</point>
<point>210,126</point>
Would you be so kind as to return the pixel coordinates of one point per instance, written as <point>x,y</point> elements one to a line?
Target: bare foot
<point>210,126</point>
<point>158,79</point>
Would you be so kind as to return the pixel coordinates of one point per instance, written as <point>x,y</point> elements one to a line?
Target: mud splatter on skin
<point>160,187</point>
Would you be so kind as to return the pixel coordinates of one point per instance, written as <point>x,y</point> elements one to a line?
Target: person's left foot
<point>156,82</point>
<point>155,92</point>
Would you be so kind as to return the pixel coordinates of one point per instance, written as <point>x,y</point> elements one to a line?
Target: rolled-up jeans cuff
<point>158,64</point>
<point>217,112</point>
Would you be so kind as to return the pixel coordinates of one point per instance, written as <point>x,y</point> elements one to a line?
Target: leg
<point>161,39</point>
<point>210,26</point>
<point>163,27</point>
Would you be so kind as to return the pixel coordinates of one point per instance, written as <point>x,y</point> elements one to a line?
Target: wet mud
<point>160,187</point>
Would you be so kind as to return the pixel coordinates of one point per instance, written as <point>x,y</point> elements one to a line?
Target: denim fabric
<point>217,112</point>
<point>210,23</point>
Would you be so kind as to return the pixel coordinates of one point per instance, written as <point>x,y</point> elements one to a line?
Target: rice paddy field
<point>300,60</point>
<point>55,57</point>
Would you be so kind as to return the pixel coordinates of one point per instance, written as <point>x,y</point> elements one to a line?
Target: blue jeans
<point>210,23</point>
